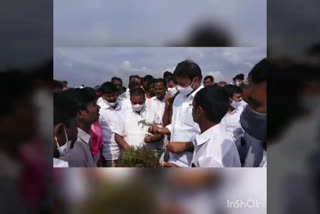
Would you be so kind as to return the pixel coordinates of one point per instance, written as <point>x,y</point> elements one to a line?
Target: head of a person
<point>150,89</point>
<point>117,82</point>
<point>208,81</point>
<point>65,111</point>
<point>255,93</point>
<point>188,76</point>
<point>17,110</point>
<point>146,82</point>
<point>238,79</point>
<point>65,83</point>
<point>171,83</point>
<point>137,98</point>
<point>210,105</point>
<point>56,86</point>
<point>89,110</point>
<point>167,74</point>
<point>234,93</point>
<point>110,93</point>
<point>133,85</point>
<point>222,84</point>
<point>160,88</point>
<point>135,78</point>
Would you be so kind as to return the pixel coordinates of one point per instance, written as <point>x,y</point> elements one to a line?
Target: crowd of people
<point>185,119</point>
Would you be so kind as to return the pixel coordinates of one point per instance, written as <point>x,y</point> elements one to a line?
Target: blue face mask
<point>254,123</point>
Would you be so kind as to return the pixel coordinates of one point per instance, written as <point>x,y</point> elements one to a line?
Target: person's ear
<point>59,135</point>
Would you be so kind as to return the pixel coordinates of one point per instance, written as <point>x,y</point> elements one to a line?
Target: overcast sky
<point>154,22</point>
<point>93,66</point>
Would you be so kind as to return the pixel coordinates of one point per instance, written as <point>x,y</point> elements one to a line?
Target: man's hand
<point>169,165</point>
<point>148,139</point>
<point>169,100</point>
<point>154,129</point>
<point>176,147</point>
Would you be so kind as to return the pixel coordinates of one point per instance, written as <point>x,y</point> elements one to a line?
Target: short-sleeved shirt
<point>214,148</point>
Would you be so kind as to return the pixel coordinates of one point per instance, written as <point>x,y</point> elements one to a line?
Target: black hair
<point>160,80</point>
<point>133,85</point>
<point>15,84</point>
<point>65,108</point>
<point>148,78</point>
<point>137,92</point>
<point>232,89</point>
<point>108,88</point>
<point>116,79</point>
<point>209,77</point>
<point>239,77</point>
<point>214,101</point>
<point>57,84</point>
<point>167,74</point>
<point>258,74</point>
<point>84,96</point>
<point>189,69</point>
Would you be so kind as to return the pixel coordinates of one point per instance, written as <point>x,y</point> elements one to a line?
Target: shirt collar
<point>205,136</point>
<point>85,137</point>
<point>195,92</point>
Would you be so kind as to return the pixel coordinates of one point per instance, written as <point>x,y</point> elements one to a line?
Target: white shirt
<point>126,104</point>
<point>156,106</point>
<point>183,128</point>
<point>57,163</point>
<point>109,117</point>
<point>231,124</point>
<point>214,148</point>
<point>134,126</point>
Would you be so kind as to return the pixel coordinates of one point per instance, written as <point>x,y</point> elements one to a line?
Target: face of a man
<point>256,96</point>
<point>160,90</point>
<point>207,83</point>
<point>237,97</point>
<point>111,97</point>
<point>137,100</point>
<point>91,115</point>
<point>117,83</point>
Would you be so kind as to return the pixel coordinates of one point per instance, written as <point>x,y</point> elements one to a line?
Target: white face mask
<point>111,104</point>
<point>235,104</point>
<point>137,107</point>
<point>238,83</point>
<point>64,148</point>
<point>185,90</point>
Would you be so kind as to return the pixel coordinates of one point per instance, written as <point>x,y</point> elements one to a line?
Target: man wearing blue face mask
<point>182,129</point>
<point>254,117</point>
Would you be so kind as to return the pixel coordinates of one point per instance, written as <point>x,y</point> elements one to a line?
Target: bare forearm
<point>121,141</point>
<point>167,116</point>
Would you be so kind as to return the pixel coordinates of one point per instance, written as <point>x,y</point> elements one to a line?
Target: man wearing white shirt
<point>132,131</point>
<point>156,106</point>
<point>182,129</point>
<point>213,147</point>
<point>231,121</point>
<point>110,114</point>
